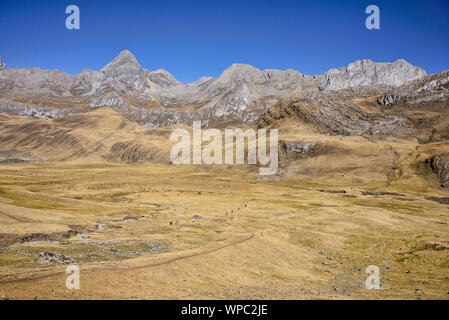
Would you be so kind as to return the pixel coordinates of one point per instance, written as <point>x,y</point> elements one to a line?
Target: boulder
<point>440,165</point>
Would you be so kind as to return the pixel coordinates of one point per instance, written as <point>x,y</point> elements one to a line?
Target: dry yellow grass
<point>158,231</point>
<point>291,241</point>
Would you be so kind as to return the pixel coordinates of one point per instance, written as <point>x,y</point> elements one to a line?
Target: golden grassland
<point>151,230</point>
<point>220,232</point>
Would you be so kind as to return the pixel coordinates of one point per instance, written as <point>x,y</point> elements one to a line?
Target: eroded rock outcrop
<point>440,165</point>
<point>434,88</point>
<point>366,72</point>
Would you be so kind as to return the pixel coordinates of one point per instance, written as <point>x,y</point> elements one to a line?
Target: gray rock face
<point>299,146</point>
<point>238,100</point>
<point>241,94</point>
<point>163,79</point>
<point>125,76</point>
<point>440,165</point>
<point>36,82</point>
<point>269,78</point>
<point>389,99</point>
<point>20,109</point>
<point>111,100</point>
<point>366,72</point>
<point>435,89</point>
<point>86,82</point>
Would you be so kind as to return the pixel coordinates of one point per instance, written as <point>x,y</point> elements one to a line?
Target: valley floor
<point>184,232</point>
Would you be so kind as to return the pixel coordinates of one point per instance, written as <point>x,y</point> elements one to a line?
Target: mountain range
<point>87,178</point>
<point>123,113</point>
<point>240,95</point>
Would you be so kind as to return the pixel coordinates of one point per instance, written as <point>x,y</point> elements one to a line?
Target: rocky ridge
<point>366,72</point>
<point>417,109</point>
<point>156,99</point>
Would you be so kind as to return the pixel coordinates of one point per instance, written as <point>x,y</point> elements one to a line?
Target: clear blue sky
<point>192,38</point>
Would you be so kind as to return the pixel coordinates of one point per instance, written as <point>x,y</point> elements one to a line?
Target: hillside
<point>86,179</point>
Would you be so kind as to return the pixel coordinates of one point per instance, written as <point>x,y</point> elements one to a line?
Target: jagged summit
<point>163,78</point>
<point>156,98</point>
<point>366,72</point>
<point>240,71</point>
<point>125,58</point>
<point>126,53</point>
<point>125,76</point>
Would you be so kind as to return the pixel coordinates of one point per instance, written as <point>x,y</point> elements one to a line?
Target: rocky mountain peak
<point>124,75</point>
<point>240,95</point>
<point>125,60</point>
<point>240,71</point>
<point>163,78</point>
<point>360,64</point>
<point>366,72</point>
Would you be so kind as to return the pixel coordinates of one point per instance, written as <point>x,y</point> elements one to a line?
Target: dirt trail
<point>15,218</point>
<point>133,264</point>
